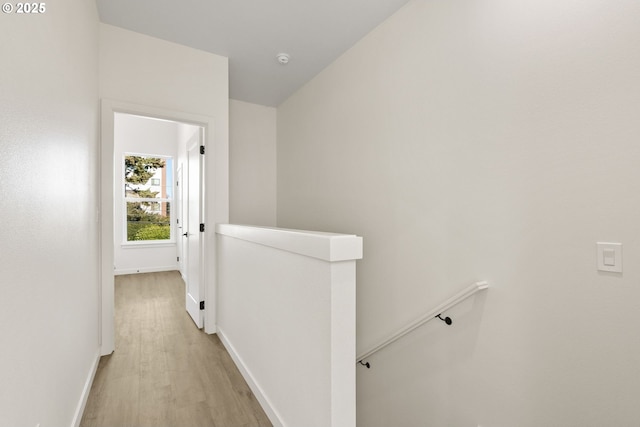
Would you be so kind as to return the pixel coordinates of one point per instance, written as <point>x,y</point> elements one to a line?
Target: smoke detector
<point>283,58</point>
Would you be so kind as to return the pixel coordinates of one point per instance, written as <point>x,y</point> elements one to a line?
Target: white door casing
<point>217,210</point>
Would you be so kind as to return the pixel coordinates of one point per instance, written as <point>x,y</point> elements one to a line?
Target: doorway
<point>196,250</point>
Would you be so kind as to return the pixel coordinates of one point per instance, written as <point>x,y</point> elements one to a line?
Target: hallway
<point>165,371</point>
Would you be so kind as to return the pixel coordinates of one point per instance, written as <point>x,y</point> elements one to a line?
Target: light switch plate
<point>609,257</point>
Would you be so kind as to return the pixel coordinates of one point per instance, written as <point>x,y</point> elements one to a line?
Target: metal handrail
<point>433,314</point>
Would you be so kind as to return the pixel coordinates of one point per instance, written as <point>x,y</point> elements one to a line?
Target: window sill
<point>147,245</point>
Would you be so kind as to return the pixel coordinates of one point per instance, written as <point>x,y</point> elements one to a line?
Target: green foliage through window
<point>147,192</point>
<point>153,232</point>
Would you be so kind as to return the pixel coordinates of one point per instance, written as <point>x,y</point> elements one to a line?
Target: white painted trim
<point>107,320</point>
<point>148,244</point>
<point>216,204</point>
<point>77,417</point>
<point>123,271</point>
<point>262,398</point>
<point>325,246</point>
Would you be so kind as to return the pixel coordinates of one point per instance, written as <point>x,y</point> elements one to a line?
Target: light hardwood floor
<point>165,371</point>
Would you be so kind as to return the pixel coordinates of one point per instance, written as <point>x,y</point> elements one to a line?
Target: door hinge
<point>202,228</point>
<point>201,305</point>
<point>178,259</point>
<point>202,149</point>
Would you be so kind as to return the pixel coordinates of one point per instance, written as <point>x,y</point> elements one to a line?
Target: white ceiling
<point>252,32</point>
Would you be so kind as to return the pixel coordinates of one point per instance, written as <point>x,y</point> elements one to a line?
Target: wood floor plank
<point>156,408</point>
<point>119,403</point>
<point>165,371</point>
<point>196,415</point>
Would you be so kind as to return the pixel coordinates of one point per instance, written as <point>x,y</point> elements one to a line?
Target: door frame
<point>215,189</point>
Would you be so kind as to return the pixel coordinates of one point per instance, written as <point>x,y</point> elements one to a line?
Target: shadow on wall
<point>416,371</point>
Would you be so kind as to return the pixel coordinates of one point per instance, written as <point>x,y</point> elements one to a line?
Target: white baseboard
<point>77,417</point>
<point>144,270</point>
<point>273,415</point>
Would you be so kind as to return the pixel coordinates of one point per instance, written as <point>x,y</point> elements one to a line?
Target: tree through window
<point>148,196</point>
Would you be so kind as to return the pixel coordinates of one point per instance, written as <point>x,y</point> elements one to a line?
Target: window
<point>147,197</point>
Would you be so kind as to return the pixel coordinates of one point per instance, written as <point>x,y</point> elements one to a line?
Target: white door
<point>192,240</point>
<point>180,201</point>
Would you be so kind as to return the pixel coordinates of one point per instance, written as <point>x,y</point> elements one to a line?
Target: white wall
<point>142,135</point>
<point>483,141</point>
<point>49,238</point>
<point>252,169</point>
<point>287,316</point>
<point>141,70</point>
